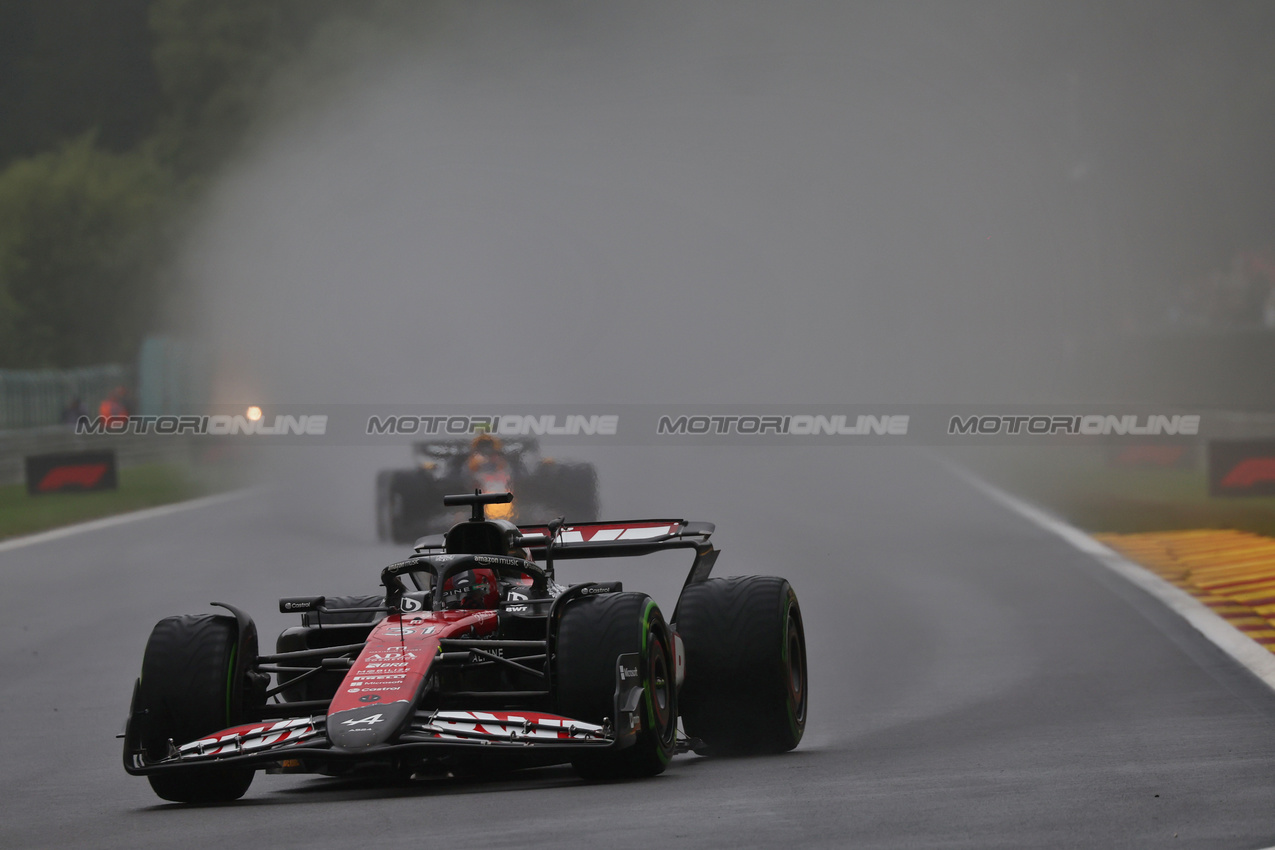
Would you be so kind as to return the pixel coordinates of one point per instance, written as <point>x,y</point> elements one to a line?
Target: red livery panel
<point>376,699</point>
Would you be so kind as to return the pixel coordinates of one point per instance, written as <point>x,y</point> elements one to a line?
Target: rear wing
<point>613,539</point>
<point>619,539</point>
<point>443,449</point>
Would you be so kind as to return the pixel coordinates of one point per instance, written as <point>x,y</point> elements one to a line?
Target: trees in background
<point>81,239</point>
<point>115,112</point>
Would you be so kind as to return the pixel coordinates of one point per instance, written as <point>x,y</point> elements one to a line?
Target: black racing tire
<point>324,685</point>
<point>383,504</point>
<point>570,489</point>
<point>185,693</point>
<point>746,686</point>
<point>414,499</point>
<point>593,634</point>
<point>400,504</point>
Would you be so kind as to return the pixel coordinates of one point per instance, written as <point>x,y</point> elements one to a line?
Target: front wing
<point>431,732</point>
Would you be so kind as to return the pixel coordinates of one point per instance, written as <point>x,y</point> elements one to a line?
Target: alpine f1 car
<point>473,658</point>
<point>409,501</point>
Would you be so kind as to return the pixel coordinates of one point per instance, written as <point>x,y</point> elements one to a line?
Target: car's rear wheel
<point>324,685</point>
<point>746,679</point>
<point>383,479</point>
<point>398,506</point>
<point>188,690</point>
<point>570,489</point>
<point>413,498</point>
<point>593,634</point>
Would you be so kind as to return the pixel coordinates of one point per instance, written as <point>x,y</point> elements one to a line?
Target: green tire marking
<point>661,752</point>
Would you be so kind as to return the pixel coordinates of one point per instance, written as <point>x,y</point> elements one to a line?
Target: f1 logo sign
<point>74,472</point>
<point>84,476</point>
<point>1250,471</point>
<point>1244,468</point>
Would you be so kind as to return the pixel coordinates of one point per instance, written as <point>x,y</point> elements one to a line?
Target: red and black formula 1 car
<point>475,657</point>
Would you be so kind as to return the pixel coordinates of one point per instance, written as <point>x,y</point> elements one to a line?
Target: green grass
<point>1089,493</point>
<point>139,487</point>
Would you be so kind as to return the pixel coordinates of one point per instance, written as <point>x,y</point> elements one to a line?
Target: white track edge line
<point>118,519</point>
<point>1248,652</point>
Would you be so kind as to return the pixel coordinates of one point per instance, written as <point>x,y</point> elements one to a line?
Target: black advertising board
<point>78,472</point>
<point>1242,468</point>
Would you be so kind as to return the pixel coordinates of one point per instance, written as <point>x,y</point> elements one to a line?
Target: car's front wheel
<point>592,636</point>
<point>187,690</point>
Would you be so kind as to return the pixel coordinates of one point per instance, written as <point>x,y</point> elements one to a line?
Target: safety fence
<point>169,376</point>
<point>32,398</point>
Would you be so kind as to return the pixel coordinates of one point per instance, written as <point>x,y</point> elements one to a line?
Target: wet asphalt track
<point>976,682</point>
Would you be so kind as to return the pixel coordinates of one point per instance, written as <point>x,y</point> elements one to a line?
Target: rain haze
<point>649,203</point>
<point>635,203</point>
<point>490,205</point>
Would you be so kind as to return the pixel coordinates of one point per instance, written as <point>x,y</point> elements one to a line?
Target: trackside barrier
<point>129,449</point>
<point>33,398</point>
<point>171,375</point>
<point>79,472</point>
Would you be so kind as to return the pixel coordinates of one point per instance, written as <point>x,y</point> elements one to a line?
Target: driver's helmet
<point>472,590</point>
<point>486,444</point>
<point>485,454</point>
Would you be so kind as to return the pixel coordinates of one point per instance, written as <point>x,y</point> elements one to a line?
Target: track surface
<point>976,682</point>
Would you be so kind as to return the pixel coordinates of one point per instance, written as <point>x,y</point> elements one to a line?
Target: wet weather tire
<point>383,504</point>
<point>570,489</point>
<point>745,691</point>
<point>186,691</point>
<point>412,502</point>
<point>593,634</point>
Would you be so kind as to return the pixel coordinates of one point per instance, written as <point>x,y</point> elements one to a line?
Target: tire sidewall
<point>192,672</point>
<point>796,668</point>
<point>658,638</point>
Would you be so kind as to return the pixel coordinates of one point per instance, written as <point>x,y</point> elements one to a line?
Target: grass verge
<point>139,487</point>
<point>1090,493</point>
